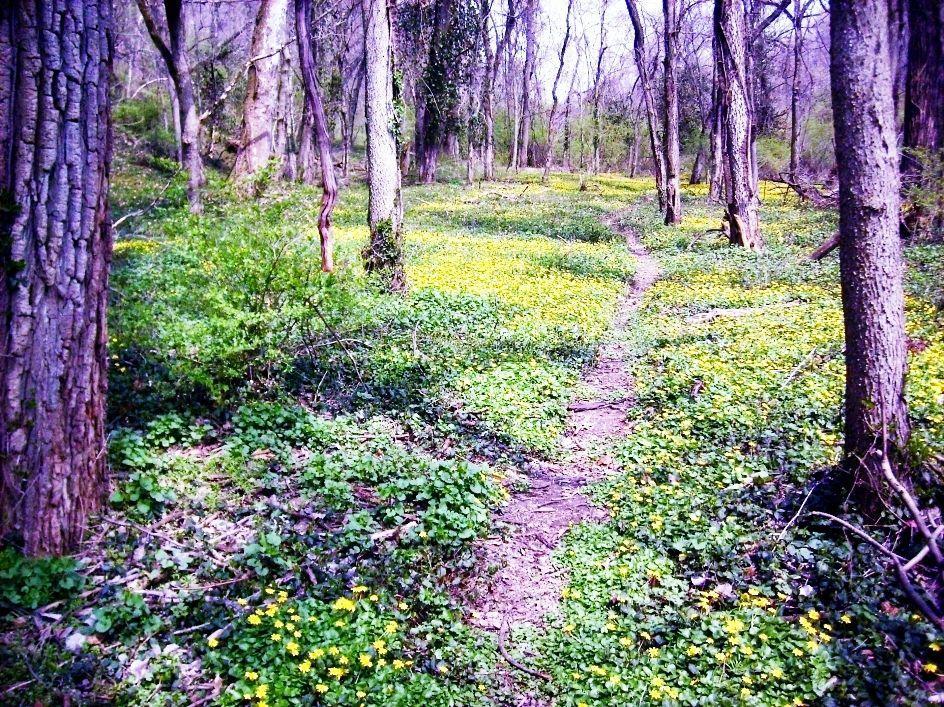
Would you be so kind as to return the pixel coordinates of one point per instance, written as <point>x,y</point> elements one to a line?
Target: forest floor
<point>527,582</point>
<point>521,483</point>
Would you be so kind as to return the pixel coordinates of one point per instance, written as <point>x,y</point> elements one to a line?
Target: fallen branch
<point>502,635</point>
<point>711,315</point>
<point>826,247</point>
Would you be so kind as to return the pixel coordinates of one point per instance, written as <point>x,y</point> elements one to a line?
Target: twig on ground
<point>502,635</point>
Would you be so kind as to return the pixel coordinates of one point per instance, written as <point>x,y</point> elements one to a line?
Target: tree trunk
<point>173,51</point>
<point>551,127</point>
<point>307,159</point>
<point>435,113</point>
<point>799,9</point>
<point>597,137</point>
<point>876,419</point>
<point>329,183</point>
<point>673,194</point>
<point>55,237</point>
<point>740,172</point>
<point>924,104</point>
<point>384,252</point>
<point>492,62</point>
<point>642,66</point>
<point>527,81</point>
<point>349,119</point>
<point>261,140</point>
<point>698,165</point>
<point>716,164</point>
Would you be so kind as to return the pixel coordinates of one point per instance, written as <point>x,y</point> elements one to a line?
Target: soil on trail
<point>527,583</point>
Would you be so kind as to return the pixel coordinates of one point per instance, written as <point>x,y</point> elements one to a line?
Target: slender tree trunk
<point>869,248</point>
<point>924,104</point>
<point>597,77</point>
<point>492,62</point>
<point>349,119</point>
<point>731,45</point>
<point>551,127</point>
<point>173,51</point>
<point>716,186</point>
<point>329,183</point>
<point>673,194</point>
<point>645,80</point>
<point>55,249</point>
<point>512,106</point>
<point>260,140</point>
<point>527,81</point>
<point>384,252</point>
<point>798,12</point>
<point>698,166</point>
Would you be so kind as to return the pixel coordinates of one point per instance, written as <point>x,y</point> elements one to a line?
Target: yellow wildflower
<point>213,643</point>
<point>344,604</point>
<point>365,660</point>
<point>304,666</point>
<point>254,619</point>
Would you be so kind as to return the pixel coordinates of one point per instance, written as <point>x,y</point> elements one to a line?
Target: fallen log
<point>826,247</point>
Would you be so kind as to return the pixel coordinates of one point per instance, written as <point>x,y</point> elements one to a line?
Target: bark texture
<point>870,248</point>
<point>384,252</point>
<point>645,81</point>
<point>673,159</point>
<point>56,241</point>
<point>263,135</point>
<point>736,121</point>
<point>315,106</point>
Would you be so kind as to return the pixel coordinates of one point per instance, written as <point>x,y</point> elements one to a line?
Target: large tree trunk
<point>740,171</point>
<point>435,113</point>
<point>870,248</point>
<point>551,126</point>
<point>262,139</point>
<point>56,243</point>
<point>924,105</point>
<point>171,44</point>
<point>384,252</point>
<point>527,83</point>
<point>329,183</point>
<point>673,194</point>
<point>645,81</point>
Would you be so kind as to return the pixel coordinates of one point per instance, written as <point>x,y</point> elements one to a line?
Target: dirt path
<point>527,582</point>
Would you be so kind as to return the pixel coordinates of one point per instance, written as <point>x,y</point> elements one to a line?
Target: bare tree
<point>56,236</point>
<point>551,127</point>
<point>800,9</point>
<point>597,76</point>
<point>645,81</point>
<point>673,194</point>
<point>736,121</point>
<point>263,135</point>
<point>876,419</point>
<point>169,34</point>
<point>313,102</point>
<point>528,80</point>
<point>492,61</point>
<point>384,252</point>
